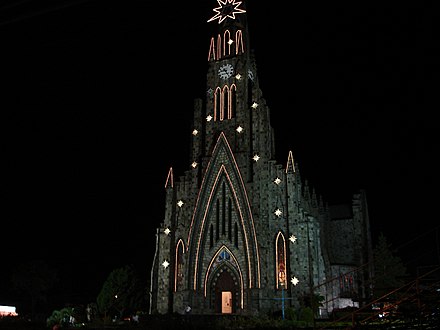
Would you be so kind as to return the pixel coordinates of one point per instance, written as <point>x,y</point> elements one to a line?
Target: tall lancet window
<point>227,44</point>
<point>178,269</point>
<point>225,100</point>
<point>219,47</point>
<point>280,251</point>
<point>217,103</point>
<point>232,101</point>
<point>239,46</point>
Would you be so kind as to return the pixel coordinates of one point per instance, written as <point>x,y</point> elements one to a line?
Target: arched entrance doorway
<point>225,291</point>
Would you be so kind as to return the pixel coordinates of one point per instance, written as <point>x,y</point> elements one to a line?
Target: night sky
<point>97,103</point>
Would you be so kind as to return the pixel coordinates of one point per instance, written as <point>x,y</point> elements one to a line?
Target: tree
<point>389,271</point>
<point>122,294</point>
<point>33,279</point>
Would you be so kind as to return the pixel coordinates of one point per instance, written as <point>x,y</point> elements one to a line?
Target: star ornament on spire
<point>226,8</point>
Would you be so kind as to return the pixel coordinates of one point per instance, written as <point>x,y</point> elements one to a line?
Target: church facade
<point>242,233</point>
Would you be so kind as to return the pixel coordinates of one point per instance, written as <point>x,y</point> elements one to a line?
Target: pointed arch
<point>226,43</point>
<point>211,52</point>
<point>280,261</point>
<point>179,264</point>
<point>290,166</point>
<point>217,171</point>
<point>224,101</point>
<point>239,45</point>
<point>232,261</point>
<point>219,47</point>
<point>232,101</point>
<point>217,103</point>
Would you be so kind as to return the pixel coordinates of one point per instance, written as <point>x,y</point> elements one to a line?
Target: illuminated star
<point>238,76</point>
<point>226,8</point>
<point>277,181</point>
<point>195,132</point>
<point>165,264</point>
<point>194,164</point>
<point>167,231</point>
<point>292,238</point>
<point>294,280</point>
<point>180,203</point>
<point>209,118</point>
<point>256,158</point>
<point>254,105</point>
<point>278,212</point>
<point>239,129</point>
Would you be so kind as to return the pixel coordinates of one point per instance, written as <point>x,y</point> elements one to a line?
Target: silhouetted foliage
<point>33,280</point>
<point>389,271</point>
<point>122,294</point>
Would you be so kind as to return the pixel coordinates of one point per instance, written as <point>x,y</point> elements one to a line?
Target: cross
<point>282,299</point>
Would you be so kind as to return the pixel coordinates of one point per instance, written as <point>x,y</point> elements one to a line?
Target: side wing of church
<point>239,228</point>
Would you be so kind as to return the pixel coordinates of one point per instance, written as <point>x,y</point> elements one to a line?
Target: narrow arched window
<point>179,264</point>
<point>226,43</point>
<point>280,261</point>
<point>239,46</point>
<point>219,47</point>
<point>224,102</point>
<point>217,103</point>
<point>232,101</point>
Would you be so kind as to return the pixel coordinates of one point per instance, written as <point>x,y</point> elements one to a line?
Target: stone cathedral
<point>242,233</point>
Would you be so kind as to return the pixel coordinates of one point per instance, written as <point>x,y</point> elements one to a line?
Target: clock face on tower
<point>225,71</point>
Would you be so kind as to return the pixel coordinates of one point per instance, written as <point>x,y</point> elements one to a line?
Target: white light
<point>238,76</point>
<point>195,132</point>
<point>194,164</point>
<point>292,238</point>
<point>165,264</point>
<point>278,212</point>
<point>239,129</point>
<point>294,281</point>
<point>254,105</point>
<point>180,203</point>
<point>167,231</point>
<point>209,118</point>
<point>277,181</point>
<point>256,158</point>
<point>7,311</point>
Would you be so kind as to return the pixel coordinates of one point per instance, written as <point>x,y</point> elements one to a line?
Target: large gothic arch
<point>222,168</point>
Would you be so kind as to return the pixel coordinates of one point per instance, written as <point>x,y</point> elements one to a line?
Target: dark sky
<point>97,104</point>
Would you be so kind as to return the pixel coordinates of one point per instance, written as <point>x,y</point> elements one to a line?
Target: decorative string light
<point>226,8</point>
